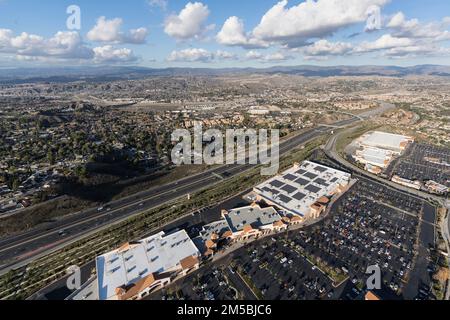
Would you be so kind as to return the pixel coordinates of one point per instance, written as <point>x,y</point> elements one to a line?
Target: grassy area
<point>174,174</point>
<point>67,204</point>
<point>440,276</point>
<point>350,135</point>
<point>20,284</point>
<point>335,274</point>
<point>76,197</point>
<point>249,282</point>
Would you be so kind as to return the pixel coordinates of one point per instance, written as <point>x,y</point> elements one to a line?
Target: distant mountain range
<point>70,74</point>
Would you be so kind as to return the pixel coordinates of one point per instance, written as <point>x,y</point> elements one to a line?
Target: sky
<point>217,34</point>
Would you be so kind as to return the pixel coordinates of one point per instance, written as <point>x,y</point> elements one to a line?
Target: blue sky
<point>232,33</point>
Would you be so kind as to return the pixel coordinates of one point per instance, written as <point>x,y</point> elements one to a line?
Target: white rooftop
<point>255,216</point>
<point>88,292</point>
<point>375,156</point>
<point>156,254</point>
<point>296,189</point>
<point>218,227</point>
<point>380,139</point>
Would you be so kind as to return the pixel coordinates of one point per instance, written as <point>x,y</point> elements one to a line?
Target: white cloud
<point>225,55</point>
<point>233,34</point>
<point>273,57</point>
<point>254,55</point>
<point>411,38</point>
<point>277,56</point>
<point>109,54</point>
<point>26,40</point>
<point>63,45</point>
<point>386,41</point>
<point>5,37</point>
<point>200,55</point>
<point>399,21</point>
<point>324,48</point>
<point>137,36</point>
<point>106,30</point>
<point>311,19</point>
<point>417,51</point>
<point>110,31</point>
<point>191,55</point>
<point>435,31</point>
<point>159,3</point>
<point>189,23</point>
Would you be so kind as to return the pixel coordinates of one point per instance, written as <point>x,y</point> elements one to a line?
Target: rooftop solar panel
<point>321,182</point>
<point>276,183</point>
<point>301,171</point>
<point>288,188</point>
<point>334,179</point>
<point>290,177</point>
<point>299,196</point>
<point>310,175</point>
<point>284,198</point>
<point>321,169</point>
<point>312,188</point>
<point>302,182</point>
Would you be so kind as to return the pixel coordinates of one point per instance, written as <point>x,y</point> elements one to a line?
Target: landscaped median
<point>248,281</point>
<point>336,275</point>
<point>20,284</point>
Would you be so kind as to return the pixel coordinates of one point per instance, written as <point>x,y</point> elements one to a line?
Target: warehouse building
<point>376,150</point>
<point>304,190</point>
<point>386,141</point>
<point>376,157</point>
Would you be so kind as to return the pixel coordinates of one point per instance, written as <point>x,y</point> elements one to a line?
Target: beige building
<point>136,269</point>
<point>252,222</point>
<point>303,191</point>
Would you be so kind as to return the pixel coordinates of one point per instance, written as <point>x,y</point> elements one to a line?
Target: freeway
<point>20,250</point>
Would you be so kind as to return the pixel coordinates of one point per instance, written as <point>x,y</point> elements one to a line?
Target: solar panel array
<point>297,189</point>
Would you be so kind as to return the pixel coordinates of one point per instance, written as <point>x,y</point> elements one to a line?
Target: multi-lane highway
<point>19,250</point>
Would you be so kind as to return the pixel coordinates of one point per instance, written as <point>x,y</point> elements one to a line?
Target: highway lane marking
<point>98,217</point>
<point>103,215</point>
<point>239,168</point>
<point>285,146</point>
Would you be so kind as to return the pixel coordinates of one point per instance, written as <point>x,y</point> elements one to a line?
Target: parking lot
<point>369,225</point>
<point>269,269</point>
<point>211,283</point>
<point>423,162</point>
<point>280,272</point>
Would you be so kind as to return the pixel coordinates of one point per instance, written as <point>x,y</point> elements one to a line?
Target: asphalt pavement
<point>21,249</point>
<point>38,242</point>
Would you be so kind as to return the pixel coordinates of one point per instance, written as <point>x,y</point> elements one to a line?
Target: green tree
<point>15,184</point>
<point>50,157</point>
